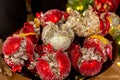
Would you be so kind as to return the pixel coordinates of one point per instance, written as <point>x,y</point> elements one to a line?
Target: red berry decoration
<point>53,65</point>
<point>16,51</point>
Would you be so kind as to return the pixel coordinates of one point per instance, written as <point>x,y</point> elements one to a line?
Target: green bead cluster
<point>79,5</point>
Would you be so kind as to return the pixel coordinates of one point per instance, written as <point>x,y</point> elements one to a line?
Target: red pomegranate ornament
<point>90,67</point>
<point>30,31</point>
<point>106,5</point>
<point>16,51</point>
<point>101,45</point>
<point>53,65</point>
<point>75,54</point>
<point>104,23</point>
<point>89,59</point>
<point>53,15</point>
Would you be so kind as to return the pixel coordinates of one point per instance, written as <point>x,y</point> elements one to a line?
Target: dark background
<point>13,13</point>
<point>12,16</point>
<point>44,5</point>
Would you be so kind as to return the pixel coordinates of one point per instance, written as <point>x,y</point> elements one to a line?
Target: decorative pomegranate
<point>30,31</point>
<point>53,65</point>
<point>106,5</point>
<point>16,51</point>
<point>89,59</point>
<point>53,15</point>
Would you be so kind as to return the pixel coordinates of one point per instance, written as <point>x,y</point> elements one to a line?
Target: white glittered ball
<point>60,42</point>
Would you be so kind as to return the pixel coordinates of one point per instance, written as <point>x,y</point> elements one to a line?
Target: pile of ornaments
<point>50,45</point>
